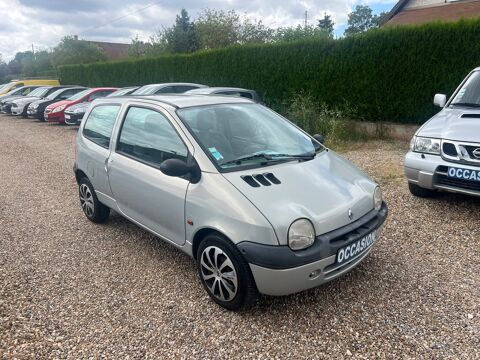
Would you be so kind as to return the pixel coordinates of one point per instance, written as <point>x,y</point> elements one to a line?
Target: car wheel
<point>225,274</point>
<point>24,113</point>
<point>93,209</point>
<point>421,192</point>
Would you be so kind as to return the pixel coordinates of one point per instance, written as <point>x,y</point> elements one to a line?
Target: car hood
<point>323,190</point>
<point>26,99</point>
<point>10,98</point>
<point>60,103</point>
<point>80,106</point>
<point>460,124</point>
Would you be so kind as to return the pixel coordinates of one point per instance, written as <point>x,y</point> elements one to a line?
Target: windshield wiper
<point>269,157</point>
<point>465,104</point>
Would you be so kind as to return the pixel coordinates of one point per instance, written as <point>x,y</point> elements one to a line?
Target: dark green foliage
<point>385,74</point>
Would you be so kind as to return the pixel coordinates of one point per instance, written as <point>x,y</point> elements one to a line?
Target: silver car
<point>445,152</point>
<point>258,203</point>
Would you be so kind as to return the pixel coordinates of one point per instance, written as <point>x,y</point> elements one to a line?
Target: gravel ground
<point>72,289</point>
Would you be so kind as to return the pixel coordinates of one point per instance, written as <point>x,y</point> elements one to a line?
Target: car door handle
<point>107,161</point>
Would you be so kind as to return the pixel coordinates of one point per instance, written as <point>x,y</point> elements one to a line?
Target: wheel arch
<point>79,174</point>
<point>201,234</point>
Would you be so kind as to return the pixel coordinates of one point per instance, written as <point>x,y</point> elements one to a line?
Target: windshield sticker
<point>216,154</point>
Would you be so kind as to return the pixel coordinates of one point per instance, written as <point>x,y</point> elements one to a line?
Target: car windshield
<point>120,92</point>
<point>247,135</point>
<point>40,92</point>
<point>145,90</point>
<point>79,95</point>
<point>469,93</point>
<point>4,86</point>
<point>54,94</point>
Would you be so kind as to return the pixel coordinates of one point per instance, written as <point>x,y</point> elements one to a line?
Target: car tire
<point>421,192</point>
<point>93,209</point>
<point>24,113</point>
<point>229,283</point>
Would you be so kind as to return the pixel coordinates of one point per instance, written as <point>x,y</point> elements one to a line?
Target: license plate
<point>464,174</point>
<point>355,249</point>
<point>67,117</point>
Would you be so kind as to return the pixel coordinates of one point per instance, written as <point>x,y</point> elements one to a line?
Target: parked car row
<point>67,104</point>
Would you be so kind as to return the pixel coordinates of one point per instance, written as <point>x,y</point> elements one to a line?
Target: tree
<point>360,20</point>
<point>300,32</point>
<point>182,37</point>
<point>254,32</point>
<point>3,70</point>
<point>70,50</point>
<point>326,24</point>
<point>218,29</point>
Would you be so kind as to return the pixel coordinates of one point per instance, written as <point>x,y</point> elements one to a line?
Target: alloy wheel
<point>86,200</point>
<point>218,273</point>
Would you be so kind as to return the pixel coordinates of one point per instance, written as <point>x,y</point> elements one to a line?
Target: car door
<point>95,147</point>
<point>142,192</point>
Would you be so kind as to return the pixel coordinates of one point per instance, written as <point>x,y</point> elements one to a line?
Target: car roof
<point>181,101</point>
<point>211,90</point>
<point>174,84</point>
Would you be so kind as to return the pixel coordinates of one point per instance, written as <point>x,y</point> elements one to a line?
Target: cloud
<point>44,22</point>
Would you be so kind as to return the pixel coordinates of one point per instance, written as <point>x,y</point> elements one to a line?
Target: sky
<point>42,23</point>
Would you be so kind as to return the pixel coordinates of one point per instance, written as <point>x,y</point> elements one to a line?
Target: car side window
<point>148,136</point>
<point>166,90</point>
<point>67,93</point>
<point>95,95</point>
<point>99,124</point>
<point>26,91</point>
<point>180,89</point>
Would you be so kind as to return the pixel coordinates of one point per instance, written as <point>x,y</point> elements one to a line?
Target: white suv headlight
<point>425,145</point>
<point>301,234</point>
<point>377,198</point>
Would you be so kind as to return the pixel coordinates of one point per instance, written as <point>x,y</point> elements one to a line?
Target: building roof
<point>114,51</point>
<point>445,12</point>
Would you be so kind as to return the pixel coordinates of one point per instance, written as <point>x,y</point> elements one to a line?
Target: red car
<point>56,112</point>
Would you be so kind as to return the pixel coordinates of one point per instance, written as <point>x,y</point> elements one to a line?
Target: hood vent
<point>470,116</point>
<point>257,180</point>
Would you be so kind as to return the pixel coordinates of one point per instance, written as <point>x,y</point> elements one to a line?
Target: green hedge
<point>386,75</point>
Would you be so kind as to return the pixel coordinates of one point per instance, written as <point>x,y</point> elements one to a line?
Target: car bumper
<point>278,271</point>
<point>73,119</point>
<point>429,172</point>
<point>17,111</point>
<point>54,117</point>
<point>31,112</point>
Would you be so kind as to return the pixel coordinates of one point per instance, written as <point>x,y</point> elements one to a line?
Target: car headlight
<point>59,108</point>
<point>377,198</point>
<point>425,145</point>
<point>301,234</point>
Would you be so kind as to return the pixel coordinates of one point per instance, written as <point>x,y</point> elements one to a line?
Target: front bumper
<point>31,112</point>
<point>17,110</point>
<point>429,172</point>
<point>54,117</point>
<point>73,119</point>
<point>278,270</point>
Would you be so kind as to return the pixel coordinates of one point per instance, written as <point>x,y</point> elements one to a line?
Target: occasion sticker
<point>215,153</point>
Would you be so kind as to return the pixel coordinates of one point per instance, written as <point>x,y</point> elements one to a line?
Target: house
<point>423,11</point>
<point>114,51</point>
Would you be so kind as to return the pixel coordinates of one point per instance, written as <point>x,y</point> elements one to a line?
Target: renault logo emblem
<point>350,214</point>
<point>476,153</point>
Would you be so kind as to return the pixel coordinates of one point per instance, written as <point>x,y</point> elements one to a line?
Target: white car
<point>445,152</point>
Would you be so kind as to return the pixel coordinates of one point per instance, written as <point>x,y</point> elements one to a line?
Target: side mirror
<point>440,100</point>
<point>179,168</point>
<point>319,138</point>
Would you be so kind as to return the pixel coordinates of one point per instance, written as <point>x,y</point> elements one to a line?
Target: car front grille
<point>442,179</point>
